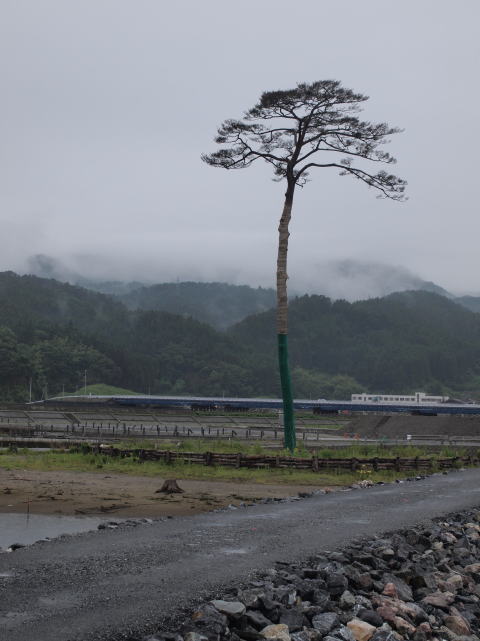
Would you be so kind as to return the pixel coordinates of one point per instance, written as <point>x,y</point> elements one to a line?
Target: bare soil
<point>399,425</point>
<point>77,493</point>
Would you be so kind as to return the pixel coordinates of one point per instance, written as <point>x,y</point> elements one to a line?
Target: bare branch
<point>389,185</point>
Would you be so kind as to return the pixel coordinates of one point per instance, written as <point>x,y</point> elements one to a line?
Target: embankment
<point>398,426</point>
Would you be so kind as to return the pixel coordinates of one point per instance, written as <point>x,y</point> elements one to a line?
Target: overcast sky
<point>106,106</point>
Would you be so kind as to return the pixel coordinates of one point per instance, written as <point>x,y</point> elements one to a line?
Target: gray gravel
<point>119,584</point>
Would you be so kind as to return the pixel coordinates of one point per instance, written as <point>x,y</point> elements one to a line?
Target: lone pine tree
<point>297,130</point>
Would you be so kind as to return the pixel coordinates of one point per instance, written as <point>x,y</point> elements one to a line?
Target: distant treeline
<point>51,332</point>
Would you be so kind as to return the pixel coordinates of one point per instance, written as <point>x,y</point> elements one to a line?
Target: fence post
<point>354,464</point>
<point>415,463</point>
<point>239,460</point>
<point>315,463</point>
<point>397,464</point>
<point>208,458</point>
<point>375,464</point>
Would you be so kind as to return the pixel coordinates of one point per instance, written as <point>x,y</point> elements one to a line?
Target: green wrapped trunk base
<point>287,396</point>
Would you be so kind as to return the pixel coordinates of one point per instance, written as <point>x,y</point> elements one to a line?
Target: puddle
<point>20,528</point>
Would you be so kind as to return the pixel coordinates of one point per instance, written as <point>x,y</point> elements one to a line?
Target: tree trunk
<point>282,323</point>
<point>170,486</point>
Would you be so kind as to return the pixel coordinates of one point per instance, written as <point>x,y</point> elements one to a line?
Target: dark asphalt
<point>114,584</point>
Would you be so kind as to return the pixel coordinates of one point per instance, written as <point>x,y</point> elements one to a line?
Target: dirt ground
<point>76,493</point>
<point>399,425</point>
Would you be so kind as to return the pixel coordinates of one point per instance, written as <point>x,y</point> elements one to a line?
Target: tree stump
<point>170,486</point>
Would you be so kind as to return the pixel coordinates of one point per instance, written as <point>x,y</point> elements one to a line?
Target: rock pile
<point>421,584</point>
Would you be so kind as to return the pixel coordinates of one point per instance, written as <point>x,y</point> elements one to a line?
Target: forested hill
<point>397,343</point>
<point>27,300</point>
<point>218,304</point>
<point>470,302</point>
<point>51,333</point>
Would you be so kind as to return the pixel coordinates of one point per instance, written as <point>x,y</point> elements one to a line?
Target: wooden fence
<point>314,463</point>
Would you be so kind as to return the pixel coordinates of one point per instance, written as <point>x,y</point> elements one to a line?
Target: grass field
<point>233,446</point>
<point>101,389</point>
<point>88,462</point>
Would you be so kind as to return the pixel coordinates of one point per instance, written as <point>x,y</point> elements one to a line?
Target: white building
<point>417,397</point>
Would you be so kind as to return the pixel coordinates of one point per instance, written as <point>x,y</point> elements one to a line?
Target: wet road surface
<point>116,584</point>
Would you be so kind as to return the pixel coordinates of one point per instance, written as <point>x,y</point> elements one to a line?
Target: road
<point>115,584</point>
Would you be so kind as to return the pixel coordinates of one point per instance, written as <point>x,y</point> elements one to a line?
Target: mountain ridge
<point>223,304</point>
<point>53,332</point>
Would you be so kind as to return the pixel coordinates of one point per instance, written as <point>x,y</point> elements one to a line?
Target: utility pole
<point>30,390</point>
<point>85,382</point>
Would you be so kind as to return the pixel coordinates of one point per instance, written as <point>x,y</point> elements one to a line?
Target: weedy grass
<point>88,462</point>
<point>223,446</point>
<point>235,446</point>
<point>372,450</point>
<point>78,462</point>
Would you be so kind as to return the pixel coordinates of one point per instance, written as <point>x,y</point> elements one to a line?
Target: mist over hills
<point>346,279</point>
<point>51,332</point>
<point>218,304</point>
<point>354,280</point>
<point>48,267</point>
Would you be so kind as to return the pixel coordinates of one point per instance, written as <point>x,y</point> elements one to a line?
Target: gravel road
<point>118,584</point>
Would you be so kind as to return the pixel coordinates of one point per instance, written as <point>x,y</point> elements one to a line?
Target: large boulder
<point>278,632</point>
<point>325,622</point>
<point>439,599</point>
<point>233,609</point>
<point>361,630</point>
